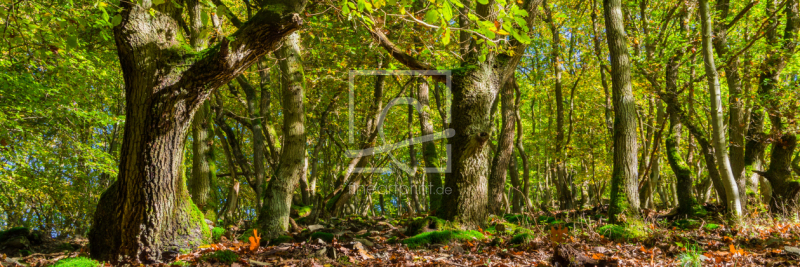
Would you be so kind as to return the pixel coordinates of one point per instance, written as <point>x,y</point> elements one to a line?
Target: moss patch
<point>77,262</point>
<point>428,224</point>
<point>301,211</point>
<point>441,237</point>
<point>518,218</point>
<point>217,233</point>
<point>711,227</point>
<point>687,224</point>
<point>630,231</point>
<point>327,237</point>
<point>199,218</point>
<point>522,238</point>
<point>221,256</point>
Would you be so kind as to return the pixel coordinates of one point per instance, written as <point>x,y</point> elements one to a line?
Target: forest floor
<point>578,237</point>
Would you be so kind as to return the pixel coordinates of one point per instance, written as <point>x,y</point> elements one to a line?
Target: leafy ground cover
<point>545,240</point>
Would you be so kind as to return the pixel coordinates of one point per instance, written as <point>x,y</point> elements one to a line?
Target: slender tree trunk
<point>412,156</point>
<point>624,177</point>
<point>232,200</point>
<point>784,189</point>
<point>200,184</point>
<point>257,137</point>
<point>504,152</point>
<point>429,153</point>
<point>274,216</point>
<point>717,124</point>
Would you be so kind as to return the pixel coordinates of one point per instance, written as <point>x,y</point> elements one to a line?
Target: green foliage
<point>518,218</point>
<point>692,257</point>
<point>686,223</point>
<point>441,237</point>
<point>221,256</point>
<point>302,211</point>
<point>711,227</point>
<point>327,237</point>
<point>430,223</point>
<point>180,263</point>
<point>217,233</point>
<point>77,262</point>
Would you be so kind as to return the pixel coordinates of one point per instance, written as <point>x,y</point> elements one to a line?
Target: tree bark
<point>734,202</point>
<point>429,153</point>
<point>779,174</point>
<point>148,209</point>
<point>200,184</point>
<point>274,216</point>
<point>624,177</point>
<point>504,151</point>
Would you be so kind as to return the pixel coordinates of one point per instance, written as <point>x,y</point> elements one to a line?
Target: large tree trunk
<point>779,174</point>
<point>148,209</point>
<point>200,184</point>
<point>505,148</point>
<point>624,177</point>
<point>734,202</point>
<point>274,216</point>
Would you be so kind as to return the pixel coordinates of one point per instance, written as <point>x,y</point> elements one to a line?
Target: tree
<point>274,215</point>
<point>624,177</point>
<point>720,142</point>
<point>504,151</point>
<point>202,157</point>
<point>148,210</point>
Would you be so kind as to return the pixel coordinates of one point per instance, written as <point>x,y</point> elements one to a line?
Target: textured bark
<point>780,50</point>
<point>200,184</point>
<point>779,174</point>
<point>274,216</point>
<point>259,168</point>
<point>429,153</point>
<point>737,124</point>
<point>504,151</point>
<point>148,209</point>
<point>624,177</point>
<point>565,195</point>
<point>734,202</point>
<point>412,156</point>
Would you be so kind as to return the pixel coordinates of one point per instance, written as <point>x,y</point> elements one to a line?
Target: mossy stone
<point>522,238</point>
<point>441,237</point>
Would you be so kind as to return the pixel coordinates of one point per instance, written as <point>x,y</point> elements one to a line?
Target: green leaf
<point>72,42</point>
<point>116,20</point>
<point>157,2</point>
<point>447,11</point>
<point>457,3</point>
<point>446,37</point>
<point>432,16</point>
<point>483,2</point>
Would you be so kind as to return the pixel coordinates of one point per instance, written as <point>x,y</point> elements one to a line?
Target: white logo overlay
<point>385,148</point>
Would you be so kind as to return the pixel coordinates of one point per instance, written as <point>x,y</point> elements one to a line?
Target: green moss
<point>77,262</point>
<point>518,218</point>
<point>217,233</point>
<point>711,227</point>
<point>509,227</point>
<point>392,240</point>
<point>699,210</point>
<point>427,224</point>
<point>281,239</point>
<point>302,211</point>
<point>221,256</point>
<point>522,238</point>
<point>687,223</point>
<point>632,231</point>
<point>327,237</point>
<point>441,237</point>
<point>198,218</point>
<point>180,263</point>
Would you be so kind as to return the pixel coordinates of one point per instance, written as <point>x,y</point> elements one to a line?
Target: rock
<point>364,241</point>
<point>361,250</point>
<point>792,251</point>
<point>320,253</point>
<point>209,222</point>
<point>500,228</point>
<point>315,227</point>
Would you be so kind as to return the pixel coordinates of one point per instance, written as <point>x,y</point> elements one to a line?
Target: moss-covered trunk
<point>274,216</point>
<point>148,209</point>
<point>504,151</point>
<point>624,177</point>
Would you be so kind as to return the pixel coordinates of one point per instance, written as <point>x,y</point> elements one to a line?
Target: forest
<point>399,133</point>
